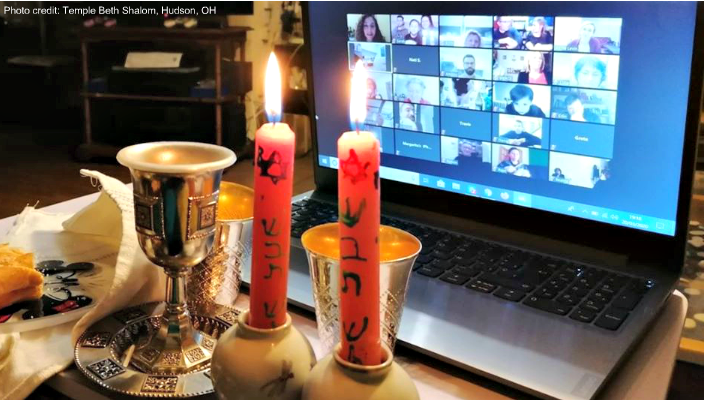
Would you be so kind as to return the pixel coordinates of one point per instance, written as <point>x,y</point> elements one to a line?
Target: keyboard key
<point>430,271</point>
<point>546,293</point>
<point>510,294</point>
<point>577,291</point>
<point>627,300</point>
<point>583,315</point>
<point>640,286</point>
<point>424,259</point>
<point>547,305</point>
<point>441,255</point>
<point>602,297</point>
<point>507,283</point>
<point>592,305</point>
<point>455,279</point>
<point>568,299</point>
<point>466,270</point>
<point>481,286</point>
<point>442,264</point>
<point>611,319</point>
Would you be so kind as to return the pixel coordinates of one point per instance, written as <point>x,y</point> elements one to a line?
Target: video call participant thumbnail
<point>531,67</point>
<point>594,71</point>
<point>588,35</point>
<point>576,170</point>
<point>584,105</point>
<point>579,138</point>
<point>523,100</point>
<point>422,146</point>
<point>411,29</point>
<point>465,63</point>
<point>465,93</point>
<point>416,89</point>
<point>380,113</point>
<point>519,161</point>
<point>416,117</point>
<point>368,28</point>
<point>375,56</point>
<point>471,31</point>
<point>385,136</point>
<point>520,131</point>
<point>421,60</point>
<point>505,35</point>
<point>539,35</point>
<point>379,86</point>
<point>466,124</point>
<point>469,155</point>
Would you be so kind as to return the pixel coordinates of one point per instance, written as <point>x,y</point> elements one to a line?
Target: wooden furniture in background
<point>235,37</point>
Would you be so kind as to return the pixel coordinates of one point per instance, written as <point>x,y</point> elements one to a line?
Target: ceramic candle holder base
<point>335,378</point>
<point>250,363</point>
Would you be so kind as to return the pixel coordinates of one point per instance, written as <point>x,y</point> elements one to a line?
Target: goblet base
<point>106,352</point>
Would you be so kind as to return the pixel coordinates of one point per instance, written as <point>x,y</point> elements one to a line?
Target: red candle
<point>359,210</point>
<point>273,188</point>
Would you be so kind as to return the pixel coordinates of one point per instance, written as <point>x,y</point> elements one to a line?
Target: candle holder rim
<point>387,359</point>
<point>129,157</point>
<point>394,260</point>
<point>243,322</point>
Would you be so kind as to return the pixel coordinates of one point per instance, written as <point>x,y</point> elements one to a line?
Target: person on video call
<point>586,42</point>
<point>590,72</point>
<point>472,99</point>
<point>538,38</point>
<point>414,35</point>
<point>368,30</point>
<point>414,91</point>
<point>512,165</point>
<point>469,67</point>
<point>577,112</point>
<point>400,31</point>
<point>519,137</point>
<point>505,34</point>
<point>448,94</point>
<point>428,30</point>
<point>558,176</point>
<point>535,70</point>
<point>371,90</point>
<point>522,102</point>
<point>473,39</point>
<point>407,117</point>
<point>469,154</point>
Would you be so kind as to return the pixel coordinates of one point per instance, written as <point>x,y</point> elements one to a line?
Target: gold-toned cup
<point>216,280</point>
<point>398,252</point>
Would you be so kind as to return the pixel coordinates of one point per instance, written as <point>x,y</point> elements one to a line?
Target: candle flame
<point>358,96</point>
<point>272,90</point>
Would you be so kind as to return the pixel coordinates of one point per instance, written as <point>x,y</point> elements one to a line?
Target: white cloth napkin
<point>39,354</point>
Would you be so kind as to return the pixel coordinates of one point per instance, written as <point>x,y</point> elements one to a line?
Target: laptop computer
<point>548,173</point>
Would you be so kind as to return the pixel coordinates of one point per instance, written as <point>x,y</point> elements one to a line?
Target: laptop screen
<point>572,108</point>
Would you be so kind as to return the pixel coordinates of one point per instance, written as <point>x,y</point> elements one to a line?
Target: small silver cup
<point>176,186</point>
<point>216,280</point>
<point>398,252</point>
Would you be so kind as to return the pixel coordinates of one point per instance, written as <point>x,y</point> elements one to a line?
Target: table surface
<point>645,374</point>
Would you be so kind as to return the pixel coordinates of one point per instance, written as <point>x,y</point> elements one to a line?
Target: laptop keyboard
<point>583,293</point>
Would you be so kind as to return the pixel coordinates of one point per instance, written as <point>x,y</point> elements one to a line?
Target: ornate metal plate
<point>100,352</point>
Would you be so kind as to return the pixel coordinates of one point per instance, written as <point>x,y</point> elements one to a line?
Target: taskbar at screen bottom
<point>594,213</point>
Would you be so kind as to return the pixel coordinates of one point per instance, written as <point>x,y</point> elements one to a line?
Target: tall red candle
<point>359,210</point>
<point>273,188</point>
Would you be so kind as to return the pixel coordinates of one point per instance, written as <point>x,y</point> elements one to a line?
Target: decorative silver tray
<point>104,351</point>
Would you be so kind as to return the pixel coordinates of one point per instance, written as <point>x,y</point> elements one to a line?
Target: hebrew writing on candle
<point>359,215</point>
<point>273,187</point>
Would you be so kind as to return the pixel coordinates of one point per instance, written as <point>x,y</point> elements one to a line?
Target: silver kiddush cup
<point>398,251</point>
<point>176,186</point>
